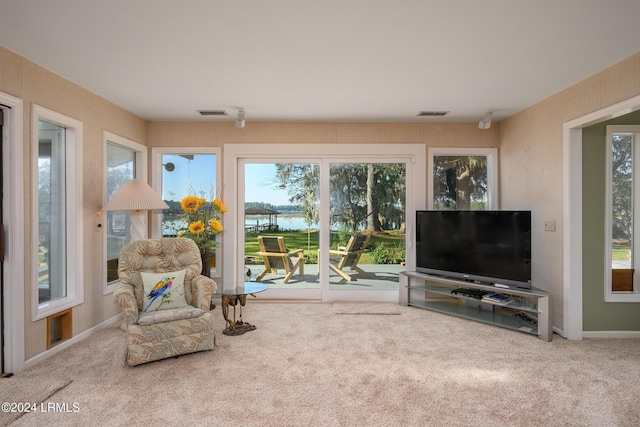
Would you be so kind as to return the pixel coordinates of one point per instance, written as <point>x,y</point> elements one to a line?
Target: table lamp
<point>137,197</point>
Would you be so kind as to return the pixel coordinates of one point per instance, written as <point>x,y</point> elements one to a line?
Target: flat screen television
<point>492,247</point>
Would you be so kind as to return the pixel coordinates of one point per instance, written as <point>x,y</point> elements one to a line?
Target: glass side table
<point>232,296</point>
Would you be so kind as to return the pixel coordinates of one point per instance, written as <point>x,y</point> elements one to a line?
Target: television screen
<point>485,246</point>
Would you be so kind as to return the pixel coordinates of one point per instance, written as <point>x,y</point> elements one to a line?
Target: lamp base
<point>138,229</point>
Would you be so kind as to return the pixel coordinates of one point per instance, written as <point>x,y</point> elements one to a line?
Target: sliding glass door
<point>340,223</point>
<point>367,225</point>
<point>282,226</point>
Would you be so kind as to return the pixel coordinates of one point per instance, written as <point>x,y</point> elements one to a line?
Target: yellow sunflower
<point>196,227</point>
<point>219,206</point>
<point>215,225</point>
<point>191,203</point>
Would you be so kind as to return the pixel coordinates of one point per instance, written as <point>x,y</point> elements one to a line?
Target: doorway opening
<point>572,239</point>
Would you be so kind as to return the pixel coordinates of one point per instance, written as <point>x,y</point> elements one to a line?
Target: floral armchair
<point>164,299</point>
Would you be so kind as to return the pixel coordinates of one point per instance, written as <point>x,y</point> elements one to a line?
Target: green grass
<point>293,239</point>
<point>300,239</point>
<point>621,254</point>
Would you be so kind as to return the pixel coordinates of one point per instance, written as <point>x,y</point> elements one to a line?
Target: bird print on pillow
<point>160,290</point>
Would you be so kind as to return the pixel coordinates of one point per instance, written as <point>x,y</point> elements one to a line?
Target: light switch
<point>550,225</point>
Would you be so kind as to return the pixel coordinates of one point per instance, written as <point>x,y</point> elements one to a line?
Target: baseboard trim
<point>48,353</point>
<point>603,334</point>
<point>611,334</point>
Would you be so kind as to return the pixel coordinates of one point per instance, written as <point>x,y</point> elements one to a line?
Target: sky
<point>260,185</point>
<point>190,177</point>
<point>197,176</point>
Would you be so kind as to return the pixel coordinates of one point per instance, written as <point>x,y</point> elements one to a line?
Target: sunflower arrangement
<point>203,221</point>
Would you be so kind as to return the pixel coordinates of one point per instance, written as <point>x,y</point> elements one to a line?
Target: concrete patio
<point>381,277</point>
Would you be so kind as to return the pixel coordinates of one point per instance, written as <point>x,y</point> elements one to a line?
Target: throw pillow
<point>163,291</point>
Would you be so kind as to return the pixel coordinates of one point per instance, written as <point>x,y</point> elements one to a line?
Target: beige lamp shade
<point>135,195</point>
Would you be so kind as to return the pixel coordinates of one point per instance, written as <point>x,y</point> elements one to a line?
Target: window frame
<point>140,172</point>
<point>609,294</point>
<point>74,259</point>
<point>492,171</point>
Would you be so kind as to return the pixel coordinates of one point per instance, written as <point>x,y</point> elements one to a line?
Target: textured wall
<point>35,85</point>
<point>531,162</point>
<point>167,134</point>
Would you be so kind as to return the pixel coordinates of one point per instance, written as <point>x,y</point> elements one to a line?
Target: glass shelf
<point>453,307</point>
<point>516,303</point>
<point>529,310</point>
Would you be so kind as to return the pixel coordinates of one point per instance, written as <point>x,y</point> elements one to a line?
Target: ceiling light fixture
<point>240,121</point>
<point>485,123</point>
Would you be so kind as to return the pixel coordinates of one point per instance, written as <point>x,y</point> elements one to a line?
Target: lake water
<point>284,223</point>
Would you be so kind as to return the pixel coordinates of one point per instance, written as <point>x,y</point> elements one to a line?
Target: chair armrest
<point>273,254</point>
<point>260,253</point>
<point>297,252</point>
<point>202,289</point>
<point>124,298</point>
<point>335,252</point>
<point>338,252</point>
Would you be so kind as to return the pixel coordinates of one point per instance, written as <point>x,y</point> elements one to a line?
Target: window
<point>622,228</point>
<point>57,213</point>
<point>463,179</point>
<point>125,160</point>
<point>181,172</point>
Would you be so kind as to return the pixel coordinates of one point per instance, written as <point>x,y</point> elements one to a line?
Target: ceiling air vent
<point>433,113</point>
<point>212,113</point>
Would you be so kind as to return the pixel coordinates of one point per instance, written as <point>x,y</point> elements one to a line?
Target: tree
<point>460,182</point>
<point>373,221</point>
<point>370,195</point>
<point>44,190</point>
<point>389,195</point>
<point>116,177</point>
<point>622,186</point>
<point>348,195</point>
<point>302,182</point>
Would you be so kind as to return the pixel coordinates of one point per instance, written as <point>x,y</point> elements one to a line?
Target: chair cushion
<point>163,291</point>
<point>186,312</point>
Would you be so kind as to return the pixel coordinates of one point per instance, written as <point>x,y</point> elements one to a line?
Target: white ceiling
<point>323,60</point>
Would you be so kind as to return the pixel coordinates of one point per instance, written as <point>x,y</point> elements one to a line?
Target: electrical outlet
<point>550,225</point>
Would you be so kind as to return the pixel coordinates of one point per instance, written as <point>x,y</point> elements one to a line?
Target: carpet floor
<point>305,365</point>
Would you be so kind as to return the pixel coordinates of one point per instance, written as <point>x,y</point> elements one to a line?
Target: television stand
<point>524,310</point>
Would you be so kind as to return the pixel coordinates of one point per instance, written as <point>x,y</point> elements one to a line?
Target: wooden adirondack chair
<point>348,256</point>
<point>276,256</point>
